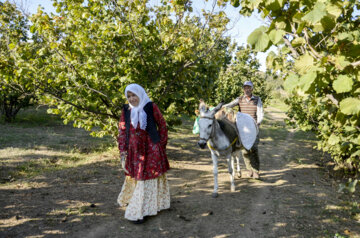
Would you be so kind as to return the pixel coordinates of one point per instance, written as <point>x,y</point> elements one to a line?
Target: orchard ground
<point>56,181</point>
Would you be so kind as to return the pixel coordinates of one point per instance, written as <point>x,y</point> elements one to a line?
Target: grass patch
<point>34,128</point>
<point>269,132</point>
<point>305,136</point>
<point>352,208</point>
<point>279,104</point>
<point>35,166</point>
<point>38,143</point>
<point>35,116</point>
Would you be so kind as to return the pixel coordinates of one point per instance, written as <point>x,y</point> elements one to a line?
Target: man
<point>252,105</point>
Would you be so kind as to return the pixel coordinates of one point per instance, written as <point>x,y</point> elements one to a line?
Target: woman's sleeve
<point>160,121</point>
<point>122,133</point>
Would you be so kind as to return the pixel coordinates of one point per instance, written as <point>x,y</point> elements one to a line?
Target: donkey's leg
<point>215,172</point>
<point>238,169</point>
<point>235,155</point>
<point>231,170</point>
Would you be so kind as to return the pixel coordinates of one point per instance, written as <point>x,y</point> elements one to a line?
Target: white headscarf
<point>138,115</point>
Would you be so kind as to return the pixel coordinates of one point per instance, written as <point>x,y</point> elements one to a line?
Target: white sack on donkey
<point>247,128</point>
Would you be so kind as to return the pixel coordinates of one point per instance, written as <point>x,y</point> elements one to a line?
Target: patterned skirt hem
<point>144,198</point>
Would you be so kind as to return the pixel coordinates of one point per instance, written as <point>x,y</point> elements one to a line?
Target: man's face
<point>248,90</point>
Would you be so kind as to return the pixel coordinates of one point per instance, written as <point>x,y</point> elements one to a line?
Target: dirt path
<point>294,198</point>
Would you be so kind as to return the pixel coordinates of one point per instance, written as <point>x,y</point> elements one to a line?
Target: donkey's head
<point>206,123</point>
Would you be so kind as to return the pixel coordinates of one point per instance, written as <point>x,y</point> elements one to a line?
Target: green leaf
<point>350,106</point>
<point>297,18</point>
<point>307,80</point>
<point>352,185</point>
<point>316,14</point>
<point>341,62</point>
<point>264,13</point>
<point>53,45</point>
<point>343,84</point>
<point>291,82</point>
<point>298,41</point>
<point>300,28</point>
<point>354,49</point>
<point>12,46</point>
<point>274,5</point>
<point>318,27</point>
<point>85,15</point>
<point>345,36</point>
<point>276,36</point>
<point>280,24</point>
<point>349,129</point>
<point>304,63</point>
<point>333,139</point>
<point>32,29</point>
<point>358,140</point>
<point>270,59</point>
<point>258,39</point>
<point>333,10</point>
<point>328,23</point>
<point>235,3</point>
<point>255,3</point>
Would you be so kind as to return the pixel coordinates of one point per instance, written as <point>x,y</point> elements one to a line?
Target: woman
<point>142,143</point>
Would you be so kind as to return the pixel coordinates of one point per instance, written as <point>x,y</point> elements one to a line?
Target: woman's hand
<point>123,156</point>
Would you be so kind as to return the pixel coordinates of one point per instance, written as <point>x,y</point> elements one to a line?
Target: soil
<point>296,196</point>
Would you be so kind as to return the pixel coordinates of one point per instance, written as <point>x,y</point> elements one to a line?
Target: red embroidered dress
<point>145,160</point>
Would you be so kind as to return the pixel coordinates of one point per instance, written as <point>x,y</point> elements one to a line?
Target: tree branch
<point>178,22</point>
<point>332,31</point>
<point>294,53</point>
<point>188,64</point>
<point>331,97</point>
<point>297,36</point>
<point>316,54</point>
<point>357,63</point>
<point>81,107</point>
<point>72,67</point>
<point>138,45</point>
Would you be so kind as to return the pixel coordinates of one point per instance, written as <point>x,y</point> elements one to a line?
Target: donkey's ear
<point>202,106</point>
<point>218,107</point>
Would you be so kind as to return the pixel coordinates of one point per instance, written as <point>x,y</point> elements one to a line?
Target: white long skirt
<point>144,198</point>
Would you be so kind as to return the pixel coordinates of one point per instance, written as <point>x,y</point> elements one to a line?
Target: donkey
<point>221,137</point>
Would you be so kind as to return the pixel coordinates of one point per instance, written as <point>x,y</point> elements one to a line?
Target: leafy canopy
<point>17,89</point>
<point>93,49</point>
<point>243,67</point>
<point>319,57</point>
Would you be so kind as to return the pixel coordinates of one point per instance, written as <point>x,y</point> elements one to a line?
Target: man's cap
<point>248,83</point>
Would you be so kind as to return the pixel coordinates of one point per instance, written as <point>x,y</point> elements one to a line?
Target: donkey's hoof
<point>215,195</point>
<point>238,174</point>
<point>232,189</point>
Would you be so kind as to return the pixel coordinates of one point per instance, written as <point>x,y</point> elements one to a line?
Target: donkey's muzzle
<point>202,144</point>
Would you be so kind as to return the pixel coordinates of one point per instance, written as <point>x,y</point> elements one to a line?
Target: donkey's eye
<point>209,126</point>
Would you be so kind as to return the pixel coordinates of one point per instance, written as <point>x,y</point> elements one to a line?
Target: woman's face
<point>133,99</point>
